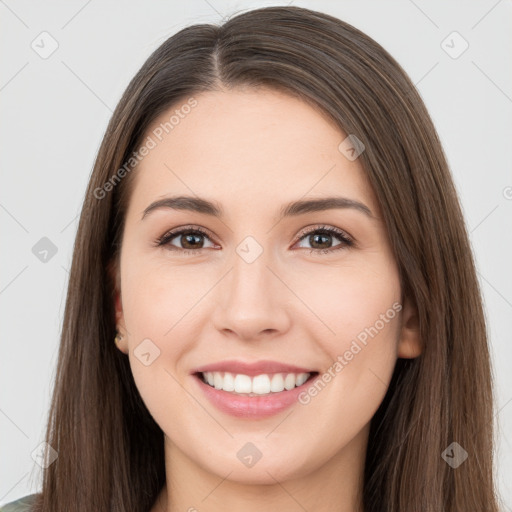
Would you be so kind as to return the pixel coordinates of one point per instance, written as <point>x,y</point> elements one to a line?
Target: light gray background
<point>55,110</point>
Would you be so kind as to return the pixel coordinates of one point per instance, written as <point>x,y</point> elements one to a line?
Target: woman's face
<point>255,286</point>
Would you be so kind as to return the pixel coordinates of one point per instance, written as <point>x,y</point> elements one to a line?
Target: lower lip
<point>252,407</point>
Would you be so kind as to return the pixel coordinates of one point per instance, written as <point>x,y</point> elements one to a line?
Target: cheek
<point>155,298</point>
<point>360,314</point>
<point>153,304</point>
<point>367,312</point>
<point>362,310</point>
<point>351,301</point>
<point>155,311</point>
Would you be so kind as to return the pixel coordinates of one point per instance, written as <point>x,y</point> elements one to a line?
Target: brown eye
<point>188,239</point>
<point>191,240</point>
<point>321,239</point>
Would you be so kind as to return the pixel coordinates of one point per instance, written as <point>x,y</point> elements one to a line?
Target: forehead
<point>240,145</point>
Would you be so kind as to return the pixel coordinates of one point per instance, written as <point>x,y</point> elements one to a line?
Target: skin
<point>252,151</point>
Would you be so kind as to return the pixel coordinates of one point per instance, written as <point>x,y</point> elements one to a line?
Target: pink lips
<point>251,407</point>
<point>251,369</point>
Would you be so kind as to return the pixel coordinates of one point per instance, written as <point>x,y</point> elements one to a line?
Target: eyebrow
<point>200,205</point>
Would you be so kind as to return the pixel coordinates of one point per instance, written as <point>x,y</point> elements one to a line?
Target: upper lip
<point>251,369</point>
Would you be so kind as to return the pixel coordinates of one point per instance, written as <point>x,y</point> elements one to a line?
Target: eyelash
<point>346,241</point>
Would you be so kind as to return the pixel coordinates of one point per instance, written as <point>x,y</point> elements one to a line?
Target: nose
<point>252,302</point>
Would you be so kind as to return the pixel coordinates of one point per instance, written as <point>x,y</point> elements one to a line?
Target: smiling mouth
<point>259,385</point>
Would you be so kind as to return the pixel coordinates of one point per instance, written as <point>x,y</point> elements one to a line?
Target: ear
<point>409,342</point>
<point>115,274</point>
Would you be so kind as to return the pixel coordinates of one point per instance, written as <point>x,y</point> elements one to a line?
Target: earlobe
<point>120,340</point>
<point>409,342</point>
<point>121,333</point>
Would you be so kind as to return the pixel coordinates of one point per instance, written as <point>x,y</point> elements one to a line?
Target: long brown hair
<point>110,450</point>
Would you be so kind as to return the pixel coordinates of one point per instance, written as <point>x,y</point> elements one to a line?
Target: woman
<point>248,369</point>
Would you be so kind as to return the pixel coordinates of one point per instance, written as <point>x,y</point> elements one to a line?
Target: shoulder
<point>20,505</point>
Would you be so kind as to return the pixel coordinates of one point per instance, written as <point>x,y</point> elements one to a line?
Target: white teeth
<point>260,385</point>
<point>277,383</point>
<point>301,378</point>
<point>218,381</point>
<point>289,382</point>
<point>242,383</point>
<point>229,382</point>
